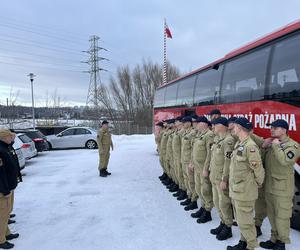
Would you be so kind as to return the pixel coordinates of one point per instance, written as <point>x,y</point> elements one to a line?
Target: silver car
<point>27,146</point>
<point>18,148</point>
<point>77,137</point>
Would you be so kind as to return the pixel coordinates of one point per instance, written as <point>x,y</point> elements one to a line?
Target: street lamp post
<point>31,77</point>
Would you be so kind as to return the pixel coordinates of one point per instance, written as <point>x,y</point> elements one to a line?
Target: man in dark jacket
<point>9,172</point>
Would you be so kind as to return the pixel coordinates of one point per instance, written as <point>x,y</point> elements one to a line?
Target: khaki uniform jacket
<point>170,145</point>
<point>186,145</point>
<point>176,143</point>
<point>246,171</point>
<point>163,143</point>
<point>201,153</point>
<point>279,164</point>
<point>220,158</point>
<point>104,140</point>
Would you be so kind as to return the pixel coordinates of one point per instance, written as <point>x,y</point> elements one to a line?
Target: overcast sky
<point>47,37</point>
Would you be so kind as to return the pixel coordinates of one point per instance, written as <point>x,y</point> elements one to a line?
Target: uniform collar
<point>285,139</point>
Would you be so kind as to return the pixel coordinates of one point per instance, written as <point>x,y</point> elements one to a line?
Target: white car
<point>76,137</point>
<point>27,146</point>
<point>17,147</point>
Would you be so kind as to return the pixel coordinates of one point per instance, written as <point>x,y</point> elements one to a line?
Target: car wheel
<point>91,144</point>
<point>49,145</point>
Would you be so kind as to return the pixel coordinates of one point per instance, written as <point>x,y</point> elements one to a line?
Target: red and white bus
<point>260,81</point>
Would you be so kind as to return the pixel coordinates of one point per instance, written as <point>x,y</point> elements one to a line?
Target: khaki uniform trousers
<point>5,209</point>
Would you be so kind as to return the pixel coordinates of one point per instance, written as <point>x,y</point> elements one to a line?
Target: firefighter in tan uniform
<point>176,144</point>
<point>246,175</point>
<point>173,186</point>
<point>9,172</point>
<point>260,204</point>
<point>281,154</point>
<point>186,152</point>
<point>162,152</point>
<point>158,138</point>
<point>105,143</point>
<point>201,159</point>
<point>158,134</point>
<point>219,176</point>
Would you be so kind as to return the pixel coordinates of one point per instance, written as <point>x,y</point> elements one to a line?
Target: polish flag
<point>168,31</point>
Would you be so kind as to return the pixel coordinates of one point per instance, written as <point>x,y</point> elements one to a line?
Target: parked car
<point>28,146</point>
<point>38,138</point>
<point>77,137</point>
<point>18,148</point>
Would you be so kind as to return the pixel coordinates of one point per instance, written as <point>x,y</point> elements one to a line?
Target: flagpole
<point>165,69</point>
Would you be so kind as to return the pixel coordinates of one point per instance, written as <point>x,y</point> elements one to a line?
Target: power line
<point>39,61</point>
<point>33,66</point>
<point>42,27</point>
<point>39,46</point>
<point>29,30</point>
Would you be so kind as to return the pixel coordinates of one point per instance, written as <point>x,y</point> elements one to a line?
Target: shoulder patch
<point>290,155</point>
<point>229,154</point>
<point>254,164</point>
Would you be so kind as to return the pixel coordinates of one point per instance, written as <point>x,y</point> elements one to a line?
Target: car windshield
<point>25,138</point>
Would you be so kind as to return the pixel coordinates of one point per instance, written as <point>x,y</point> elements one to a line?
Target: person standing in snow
<point>105,143</point>
<point>9,171</point>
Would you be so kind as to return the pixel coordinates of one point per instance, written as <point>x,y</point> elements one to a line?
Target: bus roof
<point>291,27</point>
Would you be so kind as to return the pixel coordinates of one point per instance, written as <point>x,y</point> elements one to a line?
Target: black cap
<point>232,119</point>
<point>104,122</point>
<point>279,123</point>
<point>179,118</point>
<point>187,119</point>
<point>171,121</point>
<point>215,112</point>
<point>221,120</point>
<point>194,117</point>
<point>160,124</point>
<point>244,122</point>
<point>203,119</point>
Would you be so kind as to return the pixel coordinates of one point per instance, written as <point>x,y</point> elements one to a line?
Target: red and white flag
<point>168,31</point>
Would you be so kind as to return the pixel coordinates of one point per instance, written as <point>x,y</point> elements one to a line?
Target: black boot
<point>258,231</point>
<point>267,244</point>
<point>167,182</point>
<point>186,202</point>
<point>225,233</point>
<point>279,245</point>
<point>193,205</point>
<point>107,173</point>
<point>218,229</point>
<point>11,221</point>
<point>6,245</point>
<point>242,245</point>
<point>182,196</point>
<point>163,176</point>
<point>198,213</point>
<point>102,173</point>
<point>205,217</point>
<point>178,193</point>
<point>174,189</point>
<point>12,236</point>
<point>172,185</point>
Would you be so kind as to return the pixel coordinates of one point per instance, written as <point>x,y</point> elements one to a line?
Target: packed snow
<point>64,204</point>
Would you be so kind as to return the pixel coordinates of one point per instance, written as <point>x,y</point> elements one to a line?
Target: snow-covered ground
<point>63,204</point>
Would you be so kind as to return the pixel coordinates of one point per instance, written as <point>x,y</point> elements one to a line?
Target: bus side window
<point>285,69</point>
<point>208,86</point>
<point>244,77</point>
